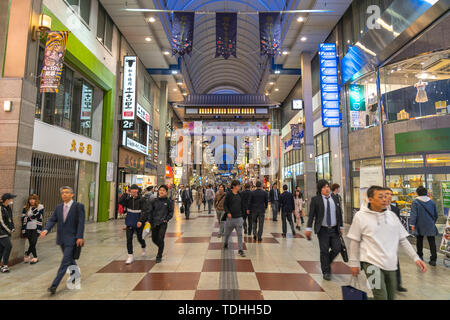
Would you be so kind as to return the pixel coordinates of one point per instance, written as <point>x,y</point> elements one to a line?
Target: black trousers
<point>187,209</point>
<point>258,219</point>
<point>431,242</point>
<point>158,234</point>
<point>330,247</point>
<point>32,236</point>
<point>247,225</point>
<point>130,232</point>
<point>288,216</point>
<point>5,249</point>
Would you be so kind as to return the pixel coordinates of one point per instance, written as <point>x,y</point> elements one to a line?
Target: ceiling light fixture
<point>285,52</point>
<point>300,19</point>
<point>271,83</point>
<point>148,39</point>
<point>174,72</point>
<point>166,53</point>
<point>151,19</point>
<point>179,83</point>
<point>303,39</point>
<point>276,89</point>
<point>277,71</point>
<point>174,89</point>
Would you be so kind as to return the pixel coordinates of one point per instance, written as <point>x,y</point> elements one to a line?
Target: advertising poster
<point>369,176</point>
<point>55,49</point>
<point>296,139</point>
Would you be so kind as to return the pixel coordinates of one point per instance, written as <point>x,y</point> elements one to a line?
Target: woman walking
<point>204,198</point>
<point>423,222</point>
<point>220,211</point>
<point>32,215</point>
<point>298,200</point>
<point>199,197</point>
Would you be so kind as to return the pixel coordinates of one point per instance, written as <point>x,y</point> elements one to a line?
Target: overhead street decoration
<point>182,32</point>
<point>226,32</point>
<point>270,33</point>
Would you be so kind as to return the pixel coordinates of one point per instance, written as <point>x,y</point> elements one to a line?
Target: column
<point>308,154</point>
<point>162,156</point>
<point>17,85</point>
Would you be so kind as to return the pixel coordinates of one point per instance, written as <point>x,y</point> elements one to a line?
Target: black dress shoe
<point>259,239</point>
<point>283,235</point>
<point>225,246</point>
<point>254,238</point>
<point>327,276</point>
<point>401,289</point>
<point>158,260</point>
<point>52,290</point>
<point>432,263</point>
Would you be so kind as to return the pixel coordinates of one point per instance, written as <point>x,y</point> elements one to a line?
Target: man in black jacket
<point>159,213</point>
<point>326,214</point>
<point>245,195</point>
<point>395,210</point>
<point>6,229</point>
<point>274,199</point>
<point>287,207</point>
<point>186,198</point>
<point>257,205</point>
<point>233,211</point>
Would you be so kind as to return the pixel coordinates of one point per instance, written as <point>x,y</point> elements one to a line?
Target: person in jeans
<point>375,235</point>
<point>159,213</point>
<point>210,197</point>
<point>32,215</point>
<point>274,199</point>
<point>135,206</point>
<point>257,206</point>
<point>245,195</point>
<point>199,197</point>
<point>220,211</point>
<point>233,210</point>
<point>423,222</point>
<point>287,206</point>
<point>6,229</point>
<point>298,201</point>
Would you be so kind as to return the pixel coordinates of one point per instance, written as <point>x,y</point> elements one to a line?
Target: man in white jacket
<point>375,235</point>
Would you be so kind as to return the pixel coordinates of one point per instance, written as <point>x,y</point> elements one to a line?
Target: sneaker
<point>34,261</point>
<point>144,252</point>
<point>254,238</point>
<point>241,253</point>
<point>401,289</point>
<point>283,235</point>
<point>26,259</point>
<point>293,233</point>
<point>4,269</point>
<point>130,259</point>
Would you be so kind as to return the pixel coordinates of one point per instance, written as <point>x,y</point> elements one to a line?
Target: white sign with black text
<point>129,87</point>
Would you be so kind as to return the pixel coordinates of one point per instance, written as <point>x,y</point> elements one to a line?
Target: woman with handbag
<point>298,201</point>
<point>219,199</point>
<point>32,215</point>
<point>423,222</point>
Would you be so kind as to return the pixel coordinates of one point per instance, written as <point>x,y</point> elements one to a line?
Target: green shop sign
<point>425,140</point>
<point>357,97</point>
<point>445,194</point>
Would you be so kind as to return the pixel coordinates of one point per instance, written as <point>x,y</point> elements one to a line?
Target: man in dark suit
<point>70,217</point>
<point>257,205</point>
<point>326,214</point>
<point>245,196</point>
<point>287,207</point>
<point>395,210</point>
<point>274,199</point>
<point>186,198</point>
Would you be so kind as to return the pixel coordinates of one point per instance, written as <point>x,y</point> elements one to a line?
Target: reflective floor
<point>195,266</point>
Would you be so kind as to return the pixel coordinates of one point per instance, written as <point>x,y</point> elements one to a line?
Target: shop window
<point>404,188</point>
<point>82,8</point>
<point>104,27</point>
<point>140,133</point>
<point>417,87</point>
<point>326,141</point>
<point>438,160</point>
<point>357,164</point>
<point>412,161</point>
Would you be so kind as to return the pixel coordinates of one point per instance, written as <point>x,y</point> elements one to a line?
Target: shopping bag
<point>344,253</point>
<point>351,293</point>
<point>182,209</point>
<point>147,228</point>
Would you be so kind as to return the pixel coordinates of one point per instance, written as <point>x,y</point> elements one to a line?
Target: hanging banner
<point>270,33</point>
<point>182,32</point>
<point>52,68</point>
<point>129,88</point>
<point>86,106</point>
<point>329,85</point>
<point>296,139</point>
<point>226,31</point>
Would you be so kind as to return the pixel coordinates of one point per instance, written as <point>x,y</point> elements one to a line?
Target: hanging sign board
<point>129,87</point>
<point>329,85</point>
<point>52,68</point>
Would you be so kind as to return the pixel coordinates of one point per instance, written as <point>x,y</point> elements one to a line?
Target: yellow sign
<point>81,147</point>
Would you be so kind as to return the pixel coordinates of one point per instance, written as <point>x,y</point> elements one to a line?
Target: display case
<point>404,190</point>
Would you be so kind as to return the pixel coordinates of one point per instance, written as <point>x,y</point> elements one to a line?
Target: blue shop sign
<point>329,85</point>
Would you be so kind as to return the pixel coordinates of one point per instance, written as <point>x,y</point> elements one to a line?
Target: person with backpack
<point>220,211</point>
<point>135,206</point>
<point>6,229</point>
<point>233,210</point>
<point>423,222</point>
<point>210,195</point>
<point>32,215</point>
<point>159,213</point>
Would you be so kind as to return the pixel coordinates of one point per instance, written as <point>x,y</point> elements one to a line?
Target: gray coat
<point>424,223</point>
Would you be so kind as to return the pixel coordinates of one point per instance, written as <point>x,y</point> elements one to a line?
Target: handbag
<point>351,293</point>
<point>344,252</point>
<point>182,209</point>
<point>76,249</point>
<point>146,230</point>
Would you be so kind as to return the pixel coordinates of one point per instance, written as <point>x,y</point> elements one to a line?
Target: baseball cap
<point>7,196</point>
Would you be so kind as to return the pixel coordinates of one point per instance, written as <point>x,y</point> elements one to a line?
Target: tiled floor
<point>195,266</point>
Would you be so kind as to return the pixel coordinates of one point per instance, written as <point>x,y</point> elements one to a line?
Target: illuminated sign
<point>129,87</point>
<point>329,85</point>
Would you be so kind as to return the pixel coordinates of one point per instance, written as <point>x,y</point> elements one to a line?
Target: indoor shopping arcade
<point>224,150</point>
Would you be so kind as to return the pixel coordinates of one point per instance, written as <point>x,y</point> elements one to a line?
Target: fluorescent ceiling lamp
<point>285,52</point>
<point>362,47</point>
<point>148,39</point>
<point>179,83</point>
<point>239,12</point>
<point>300,19</point>
<point>271,83</point>
<point>276,89</point>
<point>303,39</point>
<point>277,71</point>
<point>151,19</point>
<point>166,53</point>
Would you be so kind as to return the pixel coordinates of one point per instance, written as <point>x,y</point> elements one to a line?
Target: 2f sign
<point>375,13</point>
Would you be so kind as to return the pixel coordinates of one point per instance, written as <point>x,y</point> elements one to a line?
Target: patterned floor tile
<point>287,282</point>
<point>193,239</point>
<point>215,265</point>
<point>169,281</point>
<point>264,240</point>
<point>288,235</point>
<point>219,246</point>
<point>137,266</point>
<point>337,267</point>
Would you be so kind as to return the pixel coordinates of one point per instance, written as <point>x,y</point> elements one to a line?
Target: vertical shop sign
<point>55,49</point>
<point>445,187</point>
<point>357,103</point>
<point>86,106</point>
<point>149,141</point>
<point>329,85</point>
<point>129,87</point>
<point>155,145</point>
<point>296,139</point>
